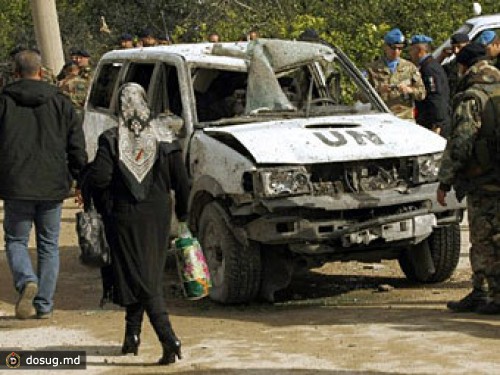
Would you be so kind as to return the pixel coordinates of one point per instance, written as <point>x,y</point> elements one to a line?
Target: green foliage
<point>355,26</point>
<point>17,26</point>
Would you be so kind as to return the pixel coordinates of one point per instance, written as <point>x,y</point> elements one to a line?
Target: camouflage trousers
<point>484,230</point>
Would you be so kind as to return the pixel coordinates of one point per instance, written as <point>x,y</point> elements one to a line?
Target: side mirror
<point>173,123</point>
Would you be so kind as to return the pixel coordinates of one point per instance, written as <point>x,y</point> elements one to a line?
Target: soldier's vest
<point>487,145</point>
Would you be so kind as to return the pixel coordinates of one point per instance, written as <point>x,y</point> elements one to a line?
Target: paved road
<point>331,322</point>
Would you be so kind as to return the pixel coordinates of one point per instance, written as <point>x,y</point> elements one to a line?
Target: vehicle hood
<point>330,139</point>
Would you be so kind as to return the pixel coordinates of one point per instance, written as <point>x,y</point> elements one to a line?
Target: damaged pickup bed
<point>289,168</point>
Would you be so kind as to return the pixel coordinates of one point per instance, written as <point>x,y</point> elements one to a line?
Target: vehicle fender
<point>223,163</point>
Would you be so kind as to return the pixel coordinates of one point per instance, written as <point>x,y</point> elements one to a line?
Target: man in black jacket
<point>433,112</point>
<point>42,149</point>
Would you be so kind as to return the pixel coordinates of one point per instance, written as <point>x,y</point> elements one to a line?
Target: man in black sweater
<point>42,150</point>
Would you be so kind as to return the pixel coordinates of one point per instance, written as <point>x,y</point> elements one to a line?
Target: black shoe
<point>131,344</point>
<point>470,303</point>
<point>171,349</point>
<point>490,308</point>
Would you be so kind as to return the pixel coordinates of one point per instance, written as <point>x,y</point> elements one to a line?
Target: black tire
<point>235,268</point>
<point>444,244</point>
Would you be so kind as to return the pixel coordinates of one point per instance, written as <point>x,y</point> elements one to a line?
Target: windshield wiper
<point>266,110</point>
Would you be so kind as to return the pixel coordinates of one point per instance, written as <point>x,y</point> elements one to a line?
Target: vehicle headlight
<point>427,167</point>
<point>280,181</point>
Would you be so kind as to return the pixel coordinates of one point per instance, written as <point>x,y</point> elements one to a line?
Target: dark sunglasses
<point>394,47</point>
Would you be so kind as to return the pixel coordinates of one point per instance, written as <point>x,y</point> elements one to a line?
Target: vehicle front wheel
<point>444,247</point>
<point>235,268</point>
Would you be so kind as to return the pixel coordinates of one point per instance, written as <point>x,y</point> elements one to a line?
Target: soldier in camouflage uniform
<point>83,61</point>
<point>491,41</point>
<point>470,165</point>
<point>126,41</point>
<point>493,51</point>
<point>457,41</point>
<point>74,86</point>
<point>148,38</point>
<point>397,80</point>
<point>48,76</point>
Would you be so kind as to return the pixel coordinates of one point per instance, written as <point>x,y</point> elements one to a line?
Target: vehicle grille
<point>336,178</point>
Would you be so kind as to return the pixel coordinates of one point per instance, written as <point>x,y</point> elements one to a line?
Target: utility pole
<point>48,35</point>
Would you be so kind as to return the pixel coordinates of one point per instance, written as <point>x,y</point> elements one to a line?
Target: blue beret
<point>417,39</point>
<point>395,36</point>
<point>486,37</point>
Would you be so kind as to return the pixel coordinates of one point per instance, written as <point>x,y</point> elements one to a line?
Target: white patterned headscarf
<point>137,141</point>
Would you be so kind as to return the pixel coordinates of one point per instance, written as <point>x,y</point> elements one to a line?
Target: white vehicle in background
<point>472,27</point>
<point>287,169</point>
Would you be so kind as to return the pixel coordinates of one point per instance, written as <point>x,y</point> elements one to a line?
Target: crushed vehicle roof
<point>227,53</point>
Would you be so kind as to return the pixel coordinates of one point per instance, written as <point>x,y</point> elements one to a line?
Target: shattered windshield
<point>283,79</point>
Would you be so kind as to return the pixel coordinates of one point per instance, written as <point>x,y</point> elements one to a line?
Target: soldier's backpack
<point>487,145</point>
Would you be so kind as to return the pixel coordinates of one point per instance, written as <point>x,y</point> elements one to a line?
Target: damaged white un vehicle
<point>288,168</point>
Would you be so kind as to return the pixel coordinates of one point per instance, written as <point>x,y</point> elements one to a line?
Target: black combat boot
<point>470,303</point>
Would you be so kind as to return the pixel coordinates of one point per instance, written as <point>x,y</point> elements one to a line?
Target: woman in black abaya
<point>138,163</point>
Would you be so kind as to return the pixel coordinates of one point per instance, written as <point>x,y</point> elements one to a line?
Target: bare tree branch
<point>244,5</point>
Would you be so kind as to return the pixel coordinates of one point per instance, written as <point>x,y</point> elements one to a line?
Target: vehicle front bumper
<point>291,220</point>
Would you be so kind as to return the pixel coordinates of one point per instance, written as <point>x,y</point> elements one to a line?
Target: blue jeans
<point>19,215</point>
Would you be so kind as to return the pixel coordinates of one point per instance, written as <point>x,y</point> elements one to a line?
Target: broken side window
<point>102,89</point>
<point>218,93</point>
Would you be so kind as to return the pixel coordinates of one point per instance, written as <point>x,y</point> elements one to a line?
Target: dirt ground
<point>332,320</point>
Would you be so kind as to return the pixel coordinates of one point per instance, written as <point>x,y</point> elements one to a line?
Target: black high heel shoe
<point>170,351</point>
<point>131,344</point>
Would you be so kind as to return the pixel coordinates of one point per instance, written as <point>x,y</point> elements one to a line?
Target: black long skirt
<point>139,241</point>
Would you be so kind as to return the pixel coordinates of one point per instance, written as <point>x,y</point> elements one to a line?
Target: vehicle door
<point>99,113</point>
